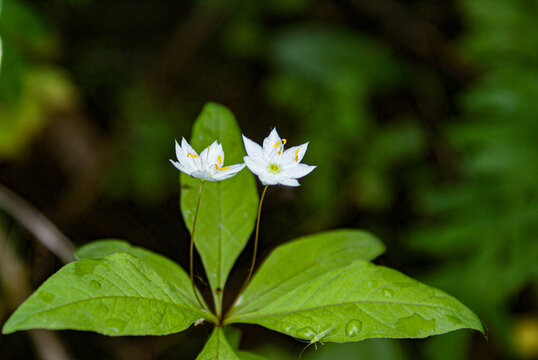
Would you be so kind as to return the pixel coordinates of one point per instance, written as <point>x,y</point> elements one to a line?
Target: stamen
<point>224,168</point>
<point>192,155</point>
<point>297,155</point>
<point>220,160</point>
<point>284,141</point>
<point>276,144</point>
<point>216,167</point>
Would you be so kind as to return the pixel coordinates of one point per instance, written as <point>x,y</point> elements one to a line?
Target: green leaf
<point>117,295</point>
<point>217,348</point>
<point>227,208</point>
<point>363,301</point>
<point>243,355</point>
<point>165,267</point>
<point>292,264</point>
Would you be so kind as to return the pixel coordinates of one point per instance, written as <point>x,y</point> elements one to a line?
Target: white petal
<point>228,173</point>
<point>253,150</point>
<point>202,175</point>
<point>294,154</point>
<point>268,179</point>
<point>255,166</point>
<point>270,141</point>
<point>284,180</point>
<point>218,152</point>
<point>181,157</point>
<point>179,166</point>
<point>298,171</point>
<point>192,162</point>
<point>212,153</point>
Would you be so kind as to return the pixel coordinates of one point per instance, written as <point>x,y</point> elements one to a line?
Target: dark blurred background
<point>421,117</point>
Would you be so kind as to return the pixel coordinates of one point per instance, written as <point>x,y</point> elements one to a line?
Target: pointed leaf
<point>117,295</point>
<point>284,270</point>
<point>217,348</point>
<point>227,208</point>
<point>165,267</point>
<point>363,301</point>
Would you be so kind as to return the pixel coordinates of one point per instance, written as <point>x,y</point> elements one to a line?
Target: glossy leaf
<point>117,295</point>
<point>292,264</point>
<point>363,301</point>
<point>227,208</point>
<point>217,348</point>
<point>165,267</point>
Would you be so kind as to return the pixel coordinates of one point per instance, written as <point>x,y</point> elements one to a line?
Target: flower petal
<point>228,173</point>
<point>253,150</point>
<point>294,154</point>
<point>268,179</point>
<point>179,166</point>
<point>256,166</point>
<point>193,162</point>
<point>270,141</point>
<point>298,171</point>
<point>284,180</point>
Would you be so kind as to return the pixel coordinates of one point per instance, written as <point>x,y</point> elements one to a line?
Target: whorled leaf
<point>117,295</point>
<point>165,267</point>
<point>227,208</point>
<point>217,348</point>
<point>304,259</point>
<point>361,301</point>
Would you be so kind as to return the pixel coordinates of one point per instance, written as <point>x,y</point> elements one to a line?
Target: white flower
<point>272,164</point>
<point>206,166</point>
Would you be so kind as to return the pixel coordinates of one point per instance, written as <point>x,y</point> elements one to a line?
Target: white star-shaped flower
<point>206,166</point>
<point>272,164</point>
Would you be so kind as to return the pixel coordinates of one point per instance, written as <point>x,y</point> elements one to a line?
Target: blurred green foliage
<point>444,170</point>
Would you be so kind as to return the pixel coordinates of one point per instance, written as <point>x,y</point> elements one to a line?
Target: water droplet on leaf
<point>415,325</point>
<point>305,333</point>
<point>85,267</point>
<point>353,327</point>
<point>115,324</point>
<point>389,293</point>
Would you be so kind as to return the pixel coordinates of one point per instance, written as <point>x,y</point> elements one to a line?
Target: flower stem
<point>191,253</point>
<point>255,239</point>
<point>251,270</point>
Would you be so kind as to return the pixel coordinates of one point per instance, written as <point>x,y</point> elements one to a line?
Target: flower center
<point>274,168</point>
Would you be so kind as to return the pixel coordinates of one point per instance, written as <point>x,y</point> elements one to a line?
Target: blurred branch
<point>15,285</point>
<point>416,35</point>
<point>37,224</point>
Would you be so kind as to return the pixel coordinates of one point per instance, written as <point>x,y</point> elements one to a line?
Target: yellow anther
<point>224,168</point>
<point>220,160</point>
<point>279,152</point>
<point>192,155</point>
<point>276,144</point>
<point>284,141</point>
<point>216,167</point>
<point>297,155</point>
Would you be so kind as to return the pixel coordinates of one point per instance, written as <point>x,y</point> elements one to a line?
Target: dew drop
<point>95,284</point>
<point>287,327</point>
<point>454,320</point>
<point>46,297</point>
<point>85,267</point>
<point>389,293</point>
<point>115,324</point>
<point>372,284</point>
<point>353,327</point>
<point>305,333</point>
<point>415,325</point>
